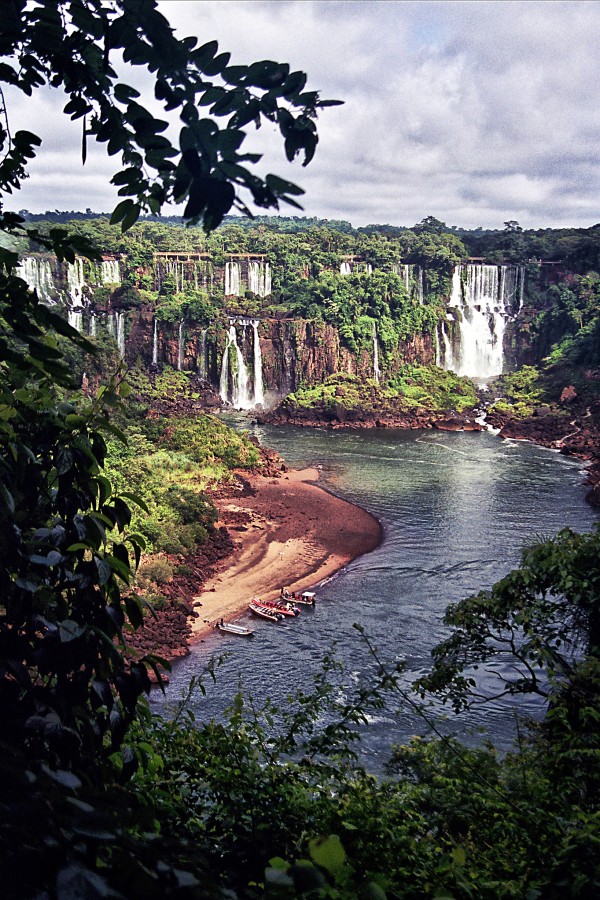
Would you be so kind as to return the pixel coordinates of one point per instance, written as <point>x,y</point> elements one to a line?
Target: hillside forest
<point>120,340</point>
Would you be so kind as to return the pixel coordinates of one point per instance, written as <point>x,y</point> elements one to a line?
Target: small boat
<point>232,628</point>
<point>306,598</point>
<point>265,612</point>
<point>285,607</point>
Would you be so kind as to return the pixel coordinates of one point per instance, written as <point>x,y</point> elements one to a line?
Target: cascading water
<point>420,285</point>
<point>180,347</point>
<point>232,279</point>
<point>234,384</point>
<point>76,281</point>
<point>203,367</point>
<point>259,396</point>
<point>93,325</point>
<point>376,369</point>
<point>37,273</point>
<point>259,278</point>
<point>239,374</point>
<point>155,344</point>
<point>120,333</point>
<point>109,271</point>
<point>345,268</point>
<point>485,298</point>
<point>75,319</point>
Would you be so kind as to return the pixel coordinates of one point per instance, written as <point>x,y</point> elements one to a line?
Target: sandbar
<point>291,533</point>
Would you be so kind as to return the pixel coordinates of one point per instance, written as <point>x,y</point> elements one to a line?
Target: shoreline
<point>288,531</point>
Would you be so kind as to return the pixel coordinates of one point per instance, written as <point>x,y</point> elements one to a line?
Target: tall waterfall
<point>234,385</point>
<point>239,373</point>
<point>259,396</point>
<point>232,279</point>
<point>109,271</point>
<point>345,268</point>
<point>155,344</point>
<point>180,347</point>
<point>75,319</point>
<point>120,333</point>
<point>485,297</point>
<point>376,369</point>
<point>76,281</point>
<point>93,325</point>
<point>37,273</point>
<point>203,367</point>
<point>420,285</point>
<point>259,278</point>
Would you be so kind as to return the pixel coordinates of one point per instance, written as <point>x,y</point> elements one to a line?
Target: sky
<point>473,112</point>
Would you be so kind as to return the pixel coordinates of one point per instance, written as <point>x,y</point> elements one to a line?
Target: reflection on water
<point>456,510</point>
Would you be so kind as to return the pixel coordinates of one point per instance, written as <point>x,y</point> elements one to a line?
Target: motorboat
<point>232,628</point>
<point>265,612</point>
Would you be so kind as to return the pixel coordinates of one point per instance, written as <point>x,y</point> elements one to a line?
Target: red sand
<point>296,535</point>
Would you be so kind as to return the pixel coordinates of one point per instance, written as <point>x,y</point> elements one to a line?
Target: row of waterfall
<point>241,384</point>
<point>256,277</point>
<point>483,300</point>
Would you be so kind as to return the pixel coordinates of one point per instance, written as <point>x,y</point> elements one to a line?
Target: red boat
<point>285,607</point>
<point>265,612</point>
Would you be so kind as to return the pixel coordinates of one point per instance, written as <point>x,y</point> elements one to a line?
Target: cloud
<point>474,112</point>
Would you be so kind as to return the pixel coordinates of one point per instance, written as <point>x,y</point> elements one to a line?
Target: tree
<point>66,693</point>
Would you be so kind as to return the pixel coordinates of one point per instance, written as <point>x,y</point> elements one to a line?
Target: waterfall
<point>345,268</point>
<point>93,325</point>
<point>438,352</point>
<point>75,319</point>
<point>155,344</point>
<point>232,279</point>
<point>259,278</point>
<point>76,281</point>
<point>180,347</point>
<point>239,373</point>
<point>37,273</point>
<point>376,369</point>
<point>420,285</point>
<point>202,360</point>
<point>120,333</point>
<point>485,297</point>
<point>109,271</point>
<point>259,397</point>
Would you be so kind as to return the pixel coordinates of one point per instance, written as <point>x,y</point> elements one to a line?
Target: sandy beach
<point>288,532</point>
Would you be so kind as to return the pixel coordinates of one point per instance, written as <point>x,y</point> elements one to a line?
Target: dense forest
<point>108,468</point>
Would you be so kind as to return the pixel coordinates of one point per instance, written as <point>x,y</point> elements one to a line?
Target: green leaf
<point>328,853</point>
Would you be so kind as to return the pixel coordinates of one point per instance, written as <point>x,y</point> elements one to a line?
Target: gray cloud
<point>471,111</point>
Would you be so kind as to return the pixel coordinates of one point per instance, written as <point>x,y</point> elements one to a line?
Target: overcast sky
<point>473,112</point>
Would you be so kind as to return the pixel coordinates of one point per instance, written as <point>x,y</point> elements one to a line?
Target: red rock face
<point>294,351</point>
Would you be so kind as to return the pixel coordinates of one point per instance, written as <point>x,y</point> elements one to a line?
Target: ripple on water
<point>456,510</point>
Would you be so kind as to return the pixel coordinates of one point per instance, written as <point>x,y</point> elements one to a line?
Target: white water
<point>234,384</point>
<point>486,297</point>
<point>93,325</point>
<point>120,333</point>
<point>76,281</point>
<point>75,319</point>
<point>155,344</point>
<point>259,278</point>
<point>37,273</point>
<point>239,374</point>
<point>376,369</point>
<point>259,397</point>
<point>180,347</point>
<point>345,268</point>
<point>202,360</point>
<point>232,279</point>
<point>109,271</point>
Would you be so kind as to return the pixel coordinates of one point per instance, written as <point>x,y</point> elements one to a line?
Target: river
<point>456,509</point>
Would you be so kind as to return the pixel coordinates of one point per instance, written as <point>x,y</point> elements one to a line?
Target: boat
<point>306,598</point>
<point>265,612</point>
<point>232,628</point>
<point>285,607</point>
